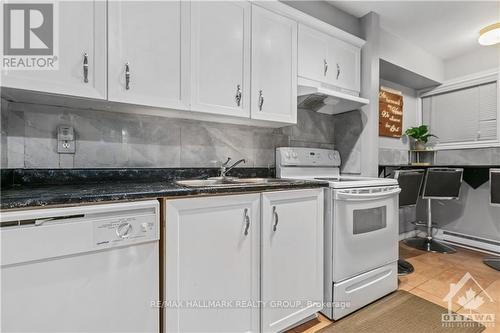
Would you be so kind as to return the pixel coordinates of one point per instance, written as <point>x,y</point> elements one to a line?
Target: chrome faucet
<point>224,169</point>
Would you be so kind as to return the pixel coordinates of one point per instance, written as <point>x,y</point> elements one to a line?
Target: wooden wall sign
<point>390,118</point>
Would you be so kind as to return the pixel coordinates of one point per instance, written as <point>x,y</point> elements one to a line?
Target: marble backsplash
<point>478,156</point>
<point>348,129</point>
<point>111,139</point>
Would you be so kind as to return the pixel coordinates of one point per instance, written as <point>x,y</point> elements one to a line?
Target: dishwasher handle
<point>367,196</point>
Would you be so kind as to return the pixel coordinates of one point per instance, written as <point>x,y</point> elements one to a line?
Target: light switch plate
<point>65,133</point>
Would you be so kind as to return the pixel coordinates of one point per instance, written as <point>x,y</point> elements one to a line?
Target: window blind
<point>488,111</point>
<point>464,115</point>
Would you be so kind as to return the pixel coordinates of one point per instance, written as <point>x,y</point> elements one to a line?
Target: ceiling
<point>445,29</point>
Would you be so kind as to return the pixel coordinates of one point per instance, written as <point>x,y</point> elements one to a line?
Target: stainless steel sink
<point>260,180</point>
<point>223,182</point>
<point>205,182</point>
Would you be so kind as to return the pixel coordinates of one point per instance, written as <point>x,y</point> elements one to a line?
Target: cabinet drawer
<point>363,289</point>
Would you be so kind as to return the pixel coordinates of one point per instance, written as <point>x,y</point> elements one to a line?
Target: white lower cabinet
<point>215,248</point>
<point>212,254</point>
<point>292,257</point>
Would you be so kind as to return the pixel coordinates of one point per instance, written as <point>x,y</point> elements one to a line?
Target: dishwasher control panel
<point>124,230</point>
<point>38,234</point>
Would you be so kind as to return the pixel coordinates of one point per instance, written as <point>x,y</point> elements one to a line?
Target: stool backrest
<point>410,182</point>
<point>495,187</point>
<point>442,183</point>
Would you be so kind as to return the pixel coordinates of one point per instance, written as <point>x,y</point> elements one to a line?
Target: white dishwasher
<point>80,269</point>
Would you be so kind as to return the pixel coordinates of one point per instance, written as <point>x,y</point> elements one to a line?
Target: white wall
<point>370,79</point>
<point>481,59</point>
<point>400,52</point>
<point>327,13</point>
<point>410,117</point>
<point>471,214</point>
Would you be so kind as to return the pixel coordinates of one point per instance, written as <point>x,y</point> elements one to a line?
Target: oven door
<point>365,229</point>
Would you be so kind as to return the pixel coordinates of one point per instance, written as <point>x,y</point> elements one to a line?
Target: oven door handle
<point>366,196</point>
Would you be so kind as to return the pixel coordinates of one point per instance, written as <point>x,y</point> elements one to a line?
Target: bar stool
<point>410,182</point>
<point>494,201</point>
<point>439,184</point>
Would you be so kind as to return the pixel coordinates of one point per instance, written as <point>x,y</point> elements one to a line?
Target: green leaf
<point>420,133</point>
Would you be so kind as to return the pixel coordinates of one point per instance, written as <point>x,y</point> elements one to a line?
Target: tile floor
<point>434,272</point>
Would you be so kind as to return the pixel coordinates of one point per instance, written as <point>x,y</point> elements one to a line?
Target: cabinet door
<point>292,256</point>
<point>274,67</point>
<point>344,65</point>
<point>220,57</point>
<point>145,45</point>
<point>81,30</point>
<point>212,254</point>
<point>312,58</point>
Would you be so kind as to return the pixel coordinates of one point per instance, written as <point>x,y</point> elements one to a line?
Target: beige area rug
<point>399,312</point>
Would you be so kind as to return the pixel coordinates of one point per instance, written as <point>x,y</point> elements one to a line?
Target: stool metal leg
<point>428,243</point>
<point>493,263</point>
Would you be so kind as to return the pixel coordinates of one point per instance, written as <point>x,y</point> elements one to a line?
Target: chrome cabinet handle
<point>276,218</point>
<point>261,100</point>
<point>247,222</point>
<point>127,76</point>
<point>238,95</point>
<point>325,65</point>
<point>85,67</point>
<point>338,71</point>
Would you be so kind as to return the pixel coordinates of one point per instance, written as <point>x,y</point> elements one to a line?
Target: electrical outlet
<point>66,140</point>
<point>66,147</point>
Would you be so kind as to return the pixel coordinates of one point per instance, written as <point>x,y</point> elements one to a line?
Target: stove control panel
<point>297,156</point>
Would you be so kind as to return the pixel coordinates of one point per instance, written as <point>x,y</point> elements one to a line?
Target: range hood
<point>316,96</point>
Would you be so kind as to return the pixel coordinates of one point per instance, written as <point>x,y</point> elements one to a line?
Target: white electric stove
<point>361,229</point>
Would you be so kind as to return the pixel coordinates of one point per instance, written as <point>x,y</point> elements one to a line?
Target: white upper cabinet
<point>329,60</point>
<point>81,58</point>
<point>212,254</point>
<point>345,65</point>
<point>313,54</point>
<point>234,61</point>
<point>274,67</point>
<point>145,53</point>
<point>292,256</point>
<point>220,57</point>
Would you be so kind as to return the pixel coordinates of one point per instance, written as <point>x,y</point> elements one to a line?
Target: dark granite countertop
<point>474,175</point>
<point>439,166</point>
<point>33,190</point>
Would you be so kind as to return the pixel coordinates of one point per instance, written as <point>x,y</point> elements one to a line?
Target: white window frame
<point>461,83</point>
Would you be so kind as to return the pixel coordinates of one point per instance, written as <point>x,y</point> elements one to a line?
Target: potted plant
<point>420,136</point>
